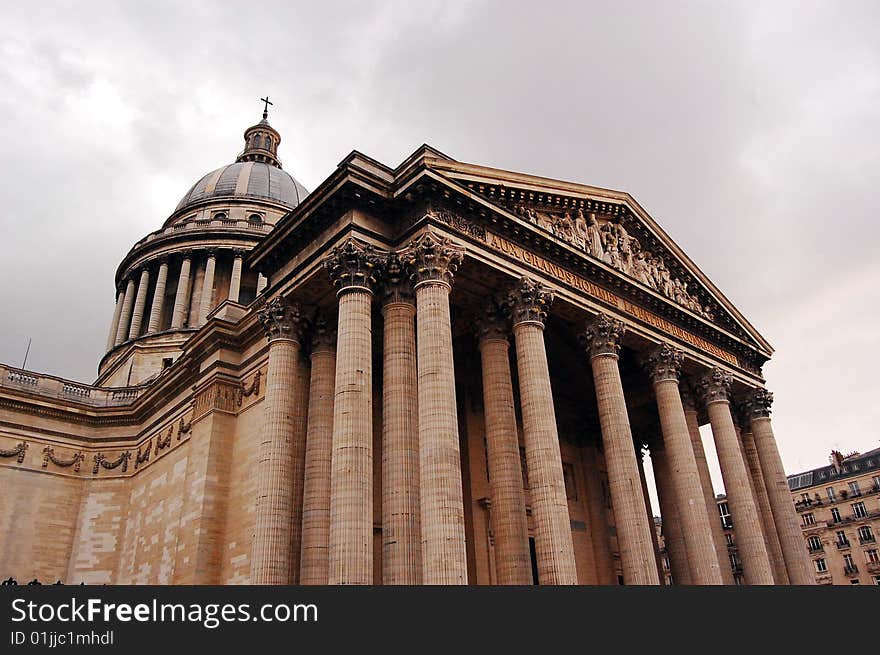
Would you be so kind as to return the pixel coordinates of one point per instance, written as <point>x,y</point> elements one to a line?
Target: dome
<point>246,179</point>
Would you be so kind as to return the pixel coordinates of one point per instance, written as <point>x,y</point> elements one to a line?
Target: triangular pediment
<point>612,230</point>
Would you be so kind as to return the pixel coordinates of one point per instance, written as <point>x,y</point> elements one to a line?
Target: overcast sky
<point>748,130</point>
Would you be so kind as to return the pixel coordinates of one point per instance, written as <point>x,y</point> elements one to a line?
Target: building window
<point>814,543</point>
<point>255,220</point>
<point>866,536</point>
<point>848,563</point>
<point>855,581</point>
<point>835,515</point>
<point>877,579</point>
<point>854,488</point>
<point>821,566</point>
<point>729,539</point>
<point>875,482</point>
<point>842,539</point>
<point>871,556</point>
<point>724,511</point>
<point>830,491</point>
<point>809,519</point>
<point>859,510</point>
<point>220,216</point>
<point>733,562</point>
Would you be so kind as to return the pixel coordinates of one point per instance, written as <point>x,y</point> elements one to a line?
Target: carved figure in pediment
<point>612,254</point>
<point>665,282</point>
<point>594,236</point>
<point>581,234</point>
<point>565,227</point>
<point>626,254</point>
<point>640,269</point>
<point>543,221</point>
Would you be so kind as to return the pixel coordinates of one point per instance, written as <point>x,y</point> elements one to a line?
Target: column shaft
<point>314,561</point>
<point>599,532</point>
<point>685,478</point>
<point>181,297</point>
<point>513,563</point>
<point>444,557</point>
<point>633,531</point>
<point>114,324</point>
<point>401,514</point>
<point>262,281</point>
<point>158,299</point>
<point>672,528</point>
<point>351,481</point>
<point>649,514</point>
<point>125,316</point>
<point>784,516</point>
<point>771,538</point>
<point>207,296</point>
<point>749,538</point>
<point>274,527</point>
<point>235,279</point>
<point>553,541</point>
<point>718,539</point>
<point>137,314</point>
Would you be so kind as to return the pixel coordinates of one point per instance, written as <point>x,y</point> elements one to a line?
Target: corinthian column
<point>114,324</point>
<point>784,516</point>
<point>319,445</point>
<point>664,367</point>
<point>634,534</point>
<point>158,299</point>
<point>528,304</point>
<point>513,563</point>
<point>207,297</point>
<point>715,390</point>
<point>401,520</point>
<point>181,297</point>
<point>137,315</point>
<point>276,524</point>
<point>671,521</point>
<point>431,262</point>
<point>690,414</point>
<point>352,267</point>
<point>771,538</point>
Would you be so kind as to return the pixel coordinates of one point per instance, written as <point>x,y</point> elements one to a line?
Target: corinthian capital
<point>396,286</point>
<point>602,336</point>
<point>353,265</point>
<point>528,302</point>
<point>323,334</point>
<point>714,386</point>
<point>281,319</point>
<point>430,258</point>
<point>491,323</point>
<point>758,403</point>
<point>664,363</point>
<point>687,396</point>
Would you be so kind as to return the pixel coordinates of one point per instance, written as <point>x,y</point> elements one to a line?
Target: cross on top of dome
<point>261,140</point>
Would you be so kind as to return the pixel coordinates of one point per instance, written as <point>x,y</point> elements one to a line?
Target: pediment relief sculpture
<point>609,242</point>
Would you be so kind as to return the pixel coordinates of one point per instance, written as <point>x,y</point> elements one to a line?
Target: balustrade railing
<point>54,387</point>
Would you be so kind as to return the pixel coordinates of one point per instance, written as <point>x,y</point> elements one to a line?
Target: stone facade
<point>839,518</point>
<point>434,374</point>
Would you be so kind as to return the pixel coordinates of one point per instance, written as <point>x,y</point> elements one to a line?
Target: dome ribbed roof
<point>247,179</point>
